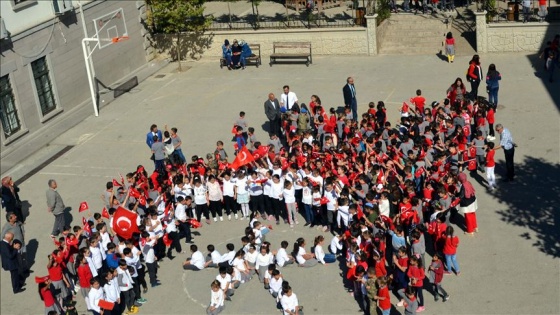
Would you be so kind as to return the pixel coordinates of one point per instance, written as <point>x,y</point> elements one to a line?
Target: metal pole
<point>84,27</point>
<point>90,80</point>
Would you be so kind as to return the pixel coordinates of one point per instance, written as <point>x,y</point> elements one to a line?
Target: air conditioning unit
<point>62,6</point>
<point>3,31</point>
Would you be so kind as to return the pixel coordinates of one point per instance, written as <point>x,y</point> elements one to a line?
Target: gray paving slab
<point>510,267</point>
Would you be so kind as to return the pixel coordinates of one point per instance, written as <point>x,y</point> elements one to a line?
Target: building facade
<point>44,87</point>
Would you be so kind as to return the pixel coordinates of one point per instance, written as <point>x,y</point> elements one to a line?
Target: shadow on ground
<point>532,203</point>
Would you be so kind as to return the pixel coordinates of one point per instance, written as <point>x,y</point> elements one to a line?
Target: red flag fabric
<point>124,223</point>
<point>105,213</point>
<point>41,279</point>
<point>324,200</point>
<point>83,206</point>
<point>106,305</point>
<point>134,193</point>
<point>194,223</point>
<point>472,165</point>
<point>243,157</point>
<point>167,241</point>
<point>86,225</point>
<point>122,179</point>
<point>116,184</point>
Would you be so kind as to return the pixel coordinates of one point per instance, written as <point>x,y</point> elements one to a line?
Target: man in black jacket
<point>349,92</point>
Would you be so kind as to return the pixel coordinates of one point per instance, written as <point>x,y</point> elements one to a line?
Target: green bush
<point>383,11</point>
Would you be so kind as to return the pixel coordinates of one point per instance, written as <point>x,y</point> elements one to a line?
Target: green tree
<point>177,17</point>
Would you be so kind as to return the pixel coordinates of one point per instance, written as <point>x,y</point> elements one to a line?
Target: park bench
<point>255,58</point>
<point>302,52</point>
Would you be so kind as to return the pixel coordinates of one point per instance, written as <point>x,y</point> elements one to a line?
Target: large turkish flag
<point>124,223</point>
<point>243,157</point>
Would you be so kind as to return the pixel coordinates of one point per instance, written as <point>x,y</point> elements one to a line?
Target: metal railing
<point>281,22</point>
<point>512,12</point>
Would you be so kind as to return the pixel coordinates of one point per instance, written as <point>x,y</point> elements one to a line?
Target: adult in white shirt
<point>216,299</point>
<point>288,98</point>
<point>290,303</point>
<point>196,262</point>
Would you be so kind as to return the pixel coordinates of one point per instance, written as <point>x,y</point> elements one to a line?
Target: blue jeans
<point>309,215</point>
<point>386,312</point>
<point>493,96</point>
<point>330,258</point>
<point>180,154</point>
<point>451,260</point>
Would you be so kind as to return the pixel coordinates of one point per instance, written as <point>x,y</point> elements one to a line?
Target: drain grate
<point>160,76</point>
<point>43,165</point>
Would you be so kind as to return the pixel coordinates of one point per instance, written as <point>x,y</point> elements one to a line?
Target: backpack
<point>468,77</point>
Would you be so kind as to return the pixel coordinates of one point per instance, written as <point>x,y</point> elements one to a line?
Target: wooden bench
<point>255,58</point>
<point>303,48</point>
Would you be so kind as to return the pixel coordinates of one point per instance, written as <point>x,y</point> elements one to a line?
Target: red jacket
<point>384,304</point>
<point>450,246</point>
<point>418,274</point>
<point>84,275</point>
<point>380,270</point>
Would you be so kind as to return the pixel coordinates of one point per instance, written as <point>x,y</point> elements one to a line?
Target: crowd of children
<point>368,182</point>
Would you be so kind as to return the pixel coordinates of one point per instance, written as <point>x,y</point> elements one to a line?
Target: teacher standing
<point>506,143</point>
<point>349,92</point>
<point>272,112</point>
<point>55,205</point>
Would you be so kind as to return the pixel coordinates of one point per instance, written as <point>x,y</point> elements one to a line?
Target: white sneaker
<point>215,219</point>
<point>401,303</point>
<point>297,222</point>
<point>221,218</point>
<point>236,216</point>
<point>229,217</point>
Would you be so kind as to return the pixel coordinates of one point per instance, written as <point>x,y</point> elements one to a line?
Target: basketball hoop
<point>119,39</point>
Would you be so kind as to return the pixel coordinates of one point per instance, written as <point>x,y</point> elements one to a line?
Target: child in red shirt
<point>383,297</point>
<point>490,164</point>
<point>416,275</point>
<point>380,270</point>
<point>47,297</point>
<point>419,101</point>
<point>401,265</point>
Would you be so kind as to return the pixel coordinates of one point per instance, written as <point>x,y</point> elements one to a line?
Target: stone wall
<point>339,41</point>
<point>512,37</point>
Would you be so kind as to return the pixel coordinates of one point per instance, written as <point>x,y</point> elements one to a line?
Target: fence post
<point>371,22</point>
<point>481,32</point>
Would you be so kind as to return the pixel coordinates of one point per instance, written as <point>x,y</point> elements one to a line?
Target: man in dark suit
<point>150,135</point>
<point>10,261</point>
<point>272,111</point>
<point>349,92</point>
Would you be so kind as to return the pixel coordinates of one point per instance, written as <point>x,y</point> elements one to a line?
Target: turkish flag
<point>41,279</point>
<point>243,157</point>
<point>83,206</point>
<point>134,193</point>
<point>122,179</point>
<point>261,152</point>
<point>86,225</point>
<point>116,184</point>
<point>124,223</point>
<point>105,213</point>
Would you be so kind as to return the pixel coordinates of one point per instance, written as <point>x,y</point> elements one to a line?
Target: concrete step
<point>412,35</point>
<point>399,51</point>
<point>411,26</point>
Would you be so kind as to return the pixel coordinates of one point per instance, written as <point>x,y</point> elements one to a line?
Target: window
<point>43,85</point>
<point>8,111</point>
<point>22,4</point>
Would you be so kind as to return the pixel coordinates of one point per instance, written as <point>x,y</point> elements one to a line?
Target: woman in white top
<point>320,253</point>
<point>264,258</point>
<point>215,196</point>
<point>289,195</point>
<point>228,192</point>
<point>242,194</point>
<point>303,259</point>
<point>241,266</point>
<point>216,299</point>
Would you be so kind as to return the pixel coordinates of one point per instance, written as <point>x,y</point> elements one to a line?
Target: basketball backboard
<point>110,27</point>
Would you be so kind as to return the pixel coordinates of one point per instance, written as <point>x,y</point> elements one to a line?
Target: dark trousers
<point>275,126</point>
<point>510,172</point>
<point>175,242</point>
<point>230,205</point>
<point>474,89</point>
<point>136,288</point>
<point>152,271</point>
<point>299,196</point>
<point>142,277</point>
<point>216,208</point>
<point>200,210</point>
<point>186,231</point>
<point>256,203</point>
<point>58,224</point>
<point>16,281</point>
<point>159,165</point>
<point>128,298</point>
<point>354,106</point>
<point>279,208</point>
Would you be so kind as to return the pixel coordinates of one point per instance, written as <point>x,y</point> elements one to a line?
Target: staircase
<point>409,34</point>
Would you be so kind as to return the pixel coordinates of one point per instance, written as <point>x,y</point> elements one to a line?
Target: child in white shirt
<point>289,195</point>
<point>275,283</point>
<point>225,283</point>
<point>307,200</point>
<point>216,299</point>
<point>282,257</point>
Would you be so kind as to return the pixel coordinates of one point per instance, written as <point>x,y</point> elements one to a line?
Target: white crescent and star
<point>125,219</point>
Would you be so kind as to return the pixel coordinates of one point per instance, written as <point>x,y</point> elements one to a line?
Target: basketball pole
<point>90,80</point>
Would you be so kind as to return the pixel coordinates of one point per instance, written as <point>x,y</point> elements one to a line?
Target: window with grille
<point>8,111</point>
<point>43,85</point>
